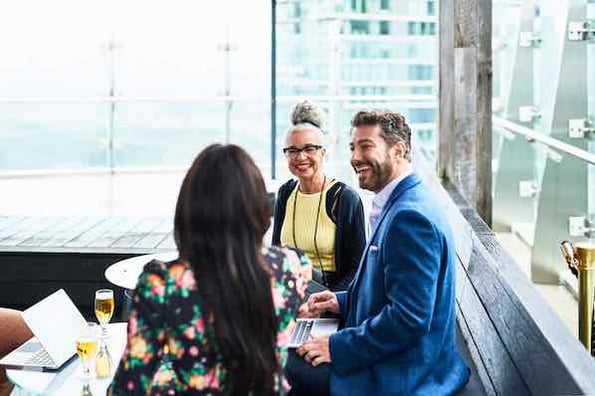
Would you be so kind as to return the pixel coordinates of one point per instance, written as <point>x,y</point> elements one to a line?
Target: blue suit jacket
<point>399,310</point>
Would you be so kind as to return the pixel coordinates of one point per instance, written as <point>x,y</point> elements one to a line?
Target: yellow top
<point>306,206</point>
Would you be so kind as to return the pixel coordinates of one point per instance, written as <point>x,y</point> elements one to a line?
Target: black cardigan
<point>344,208</point>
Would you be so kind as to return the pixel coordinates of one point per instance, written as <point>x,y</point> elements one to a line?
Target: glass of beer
<point>86,347</point>
<point>104,309</point>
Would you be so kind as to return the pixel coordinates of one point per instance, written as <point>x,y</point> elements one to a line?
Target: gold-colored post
<point>585,254</point>
<point>581,261</point>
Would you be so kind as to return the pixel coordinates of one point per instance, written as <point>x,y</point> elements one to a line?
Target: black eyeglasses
<point>308,149</point>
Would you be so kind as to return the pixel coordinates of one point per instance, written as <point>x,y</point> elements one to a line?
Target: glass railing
<point>544,128</point>
<point>116,134</point>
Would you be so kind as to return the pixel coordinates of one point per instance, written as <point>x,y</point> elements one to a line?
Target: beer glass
<point>104,309</point>
<point>86,347</point>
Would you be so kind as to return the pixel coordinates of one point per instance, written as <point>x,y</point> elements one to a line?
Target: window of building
<point>421,72</point>
<point>421,115</point>
<point>431,8</point>
<point>360,27</point>
<point>421,90</point>
<point>412,50</point>
<point>359,6</point>
<point>384,27</point>
<point>384,4</point>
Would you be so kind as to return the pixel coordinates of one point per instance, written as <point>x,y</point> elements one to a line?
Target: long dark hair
<point>221,217</point>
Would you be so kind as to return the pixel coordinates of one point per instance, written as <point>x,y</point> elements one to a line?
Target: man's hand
<point>304,312</point>
<point>322,302</point>
<point>316,350</point>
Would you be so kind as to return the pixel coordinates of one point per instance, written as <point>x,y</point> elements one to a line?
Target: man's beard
<point>380,175</point>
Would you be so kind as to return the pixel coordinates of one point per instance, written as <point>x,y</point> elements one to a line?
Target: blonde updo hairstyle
<point>306,116</point>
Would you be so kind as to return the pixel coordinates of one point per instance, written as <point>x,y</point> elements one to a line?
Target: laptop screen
<point>56,322</point>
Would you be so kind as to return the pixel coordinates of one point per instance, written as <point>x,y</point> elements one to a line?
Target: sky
<point>59,48</point>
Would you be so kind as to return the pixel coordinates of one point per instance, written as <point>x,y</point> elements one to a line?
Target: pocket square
<point>373,248</point>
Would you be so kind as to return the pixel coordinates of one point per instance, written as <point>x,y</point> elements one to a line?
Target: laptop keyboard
<point>301,331</point>
<point>41,358</point>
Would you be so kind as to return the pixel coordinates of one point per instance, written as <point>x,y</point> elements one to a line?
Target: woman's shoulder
<point>176,272</point>
<point>284,259</point>
<point>341,199</point>
<point>287,187</point>
<point>281,253</point>
<point>290,272</point>
<point>341,189</point>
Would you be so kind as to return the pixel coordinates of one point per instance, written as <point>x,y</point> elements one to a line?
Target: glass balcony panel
<point>53,136</point>
<point>250,127</point>
<point>165,133</point>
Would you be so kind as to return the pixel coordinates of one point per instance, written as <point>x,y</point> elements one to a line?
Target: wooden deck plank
<point>168,243</point>
<point>91,234</point>
<point>19,226</point>
<point>9,221</point>
<point>114,233</point>
<point>42,236</point>
<point>151,241</point>
<point>85,234</point>
<point>39,224</point>
<point>61,237</point>
<point>159,234</point>
<point>142,229</point>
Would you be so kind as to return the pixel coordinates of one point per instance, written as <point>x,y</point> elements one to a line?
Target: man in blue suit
<point>399,315</point>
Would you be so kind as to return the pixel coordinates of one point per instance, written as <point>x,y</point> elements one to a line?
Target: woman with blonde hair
<point>316,213</point>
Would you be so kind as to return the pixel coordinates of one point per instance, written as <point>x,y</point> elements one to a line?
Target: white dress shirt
<point>382,197</point>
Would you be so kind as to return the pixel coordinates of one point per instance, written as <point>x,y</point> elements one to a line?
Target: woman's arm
<point>279,212</point>
<point>146,333</point>
<point>352,235</point>
<point>13,332</point>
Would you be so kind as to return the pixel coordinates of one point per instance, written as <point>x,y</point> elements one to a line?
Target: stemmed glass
<point>103,361</point>
<point>104,309</point>
<point>86,347</point>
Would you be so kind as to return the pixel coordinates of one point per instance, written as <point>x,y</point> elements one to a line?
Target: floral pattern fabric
<point>170,351</point>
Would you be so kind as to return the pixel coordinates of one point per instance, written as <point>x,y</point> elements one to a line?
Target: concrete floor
<point>557,296</point>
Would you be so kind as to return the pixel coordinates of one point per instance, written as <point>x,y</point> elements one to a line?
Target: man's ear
<point>399,150</point>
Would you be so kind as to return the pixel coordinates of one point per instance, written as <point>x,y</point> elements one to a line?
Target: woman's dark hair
<point>221,217</point>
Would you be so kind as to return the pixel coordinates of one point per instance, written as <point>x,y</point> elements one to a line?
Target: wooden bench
<point>513,340</point>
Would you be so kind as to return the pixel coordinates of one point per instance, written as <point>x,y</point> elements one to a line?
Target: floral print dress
<point>170,351</point>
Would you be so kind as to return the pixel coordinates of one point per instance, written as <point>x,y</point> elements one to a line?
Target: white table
<point>125,273</point>
<point>68,380</point>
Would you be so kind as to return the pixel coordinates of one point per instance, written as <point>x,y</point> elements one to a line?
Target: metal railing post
<point>581,261</point>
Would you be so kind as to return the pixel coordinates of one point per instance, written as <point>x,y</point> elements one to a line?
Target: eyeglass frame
<point>293,151</point>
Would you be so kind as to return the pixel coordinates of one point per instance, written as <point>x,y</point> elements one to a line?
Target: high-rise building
<point>353,54</point>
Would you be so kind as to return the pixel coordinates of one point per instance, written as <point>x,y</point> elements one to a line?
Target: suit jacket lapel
<point>410,181</point>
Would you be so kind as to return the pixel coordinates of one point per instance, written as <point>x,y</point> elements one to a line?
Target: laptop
<point>314,287</point>
<point>304,328</point>
<point>55,323</point>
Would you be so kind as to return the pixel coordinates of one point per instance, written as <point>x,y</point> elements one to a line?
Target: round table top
<point>68,381</point>
<point>125,273</point>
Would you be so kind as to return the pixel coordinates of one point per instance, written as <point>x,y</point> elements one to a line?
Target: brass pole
<point>585,254</point>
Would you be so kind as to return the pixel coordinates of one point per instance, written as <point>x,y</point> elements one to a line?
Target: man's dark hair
<point>393,126</point>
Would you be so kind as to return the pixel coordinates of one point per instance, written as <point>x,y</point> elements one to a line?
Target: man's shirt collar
<point>384,194</point>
